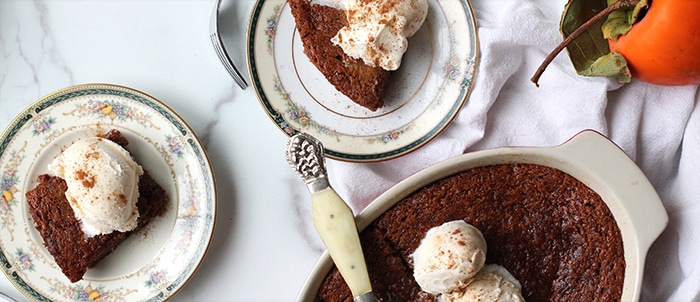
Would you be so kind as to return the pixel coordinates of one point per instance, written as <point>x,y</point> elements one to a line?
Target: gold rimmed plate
<point>152,264</point>
<point>424,96</point>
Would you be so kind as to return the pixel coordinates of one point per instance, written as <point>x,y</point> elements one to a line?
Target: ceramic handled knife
<point>333,219</point>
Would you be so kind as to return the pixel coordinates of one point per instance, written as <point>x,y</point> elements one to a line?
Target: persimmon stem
<point>577,32</point>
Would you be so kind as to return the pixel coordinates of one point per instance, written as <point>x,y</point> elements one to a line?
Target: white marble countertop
<point>163,48</point>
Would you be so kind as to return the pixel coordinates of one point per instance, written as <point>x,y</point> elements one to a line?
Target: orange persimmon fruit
<point>655,41</point>
<point>664,46</point>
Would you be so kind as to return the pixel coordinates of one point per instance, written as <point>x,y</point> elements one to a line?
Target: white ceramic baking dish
<point>589,157</point>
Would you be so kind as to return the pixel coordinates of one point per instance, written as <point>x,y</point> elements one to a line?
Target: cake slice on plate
<point>317,25</point>
<point>64,235</point>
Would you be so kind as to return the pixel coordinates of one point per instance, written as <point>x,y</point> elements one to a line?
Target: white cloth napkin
<point>657,126</point>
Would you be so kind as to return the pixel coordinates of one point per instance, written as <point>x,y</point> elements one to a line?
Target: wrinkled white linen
<point>657,126</point>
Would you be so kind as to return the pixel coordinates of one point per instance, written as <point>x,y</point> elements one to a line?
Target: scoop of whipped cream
<point>378,31</point>
<point>102,181</point>
<point>448,256</point>
<point>492,283</point>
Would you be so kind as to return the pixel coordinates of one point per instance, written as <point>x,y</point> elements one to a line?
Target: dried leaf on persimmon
<point>612,65</point>
<point>620,21</point>
<point>587,48</point>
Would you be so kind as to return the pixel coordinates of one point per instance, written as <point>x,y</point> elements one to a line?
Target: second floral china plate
<point>153,263</point>
<point>427,91</point>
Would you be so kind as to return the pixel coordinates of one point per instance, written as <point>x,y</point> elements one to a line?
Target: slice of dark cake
<point>63,236</point>
<point>317,24</point>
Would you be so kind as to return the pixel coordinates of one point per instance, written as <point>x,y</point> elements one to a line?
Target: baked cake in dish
<point>554,234</point>
<point>317,25</point>
<point>71,248</point>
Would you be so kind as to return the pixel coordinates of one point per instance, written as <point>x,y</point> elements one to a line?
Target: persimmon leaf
<point>611,65</point>
<point>587,48</point>
<point>616,25</point>
<point>620,21</point>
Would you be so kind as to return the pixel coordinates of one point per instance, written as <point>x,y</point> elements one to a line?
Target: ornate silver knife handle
<point>305,155</point>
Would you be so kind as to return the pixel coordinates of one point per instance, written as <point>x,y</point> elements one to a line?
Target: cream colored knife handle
<point>333,219</point>
<point>335,223</point>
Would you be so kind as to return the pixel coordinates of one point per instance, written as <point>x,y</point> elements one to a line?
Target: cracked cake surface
<point>553,233</point>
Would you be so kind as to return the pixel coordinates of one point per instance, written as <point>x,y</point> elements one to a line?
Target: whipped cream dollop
<point>492,283</point>
<point>102,180</point>
<point>448,256</point>
<point>378,30</point>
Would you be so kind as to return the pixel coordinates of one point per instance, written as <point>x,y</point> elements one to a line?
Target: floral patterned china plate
<point>153,263</point>
<point>426,93</point>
